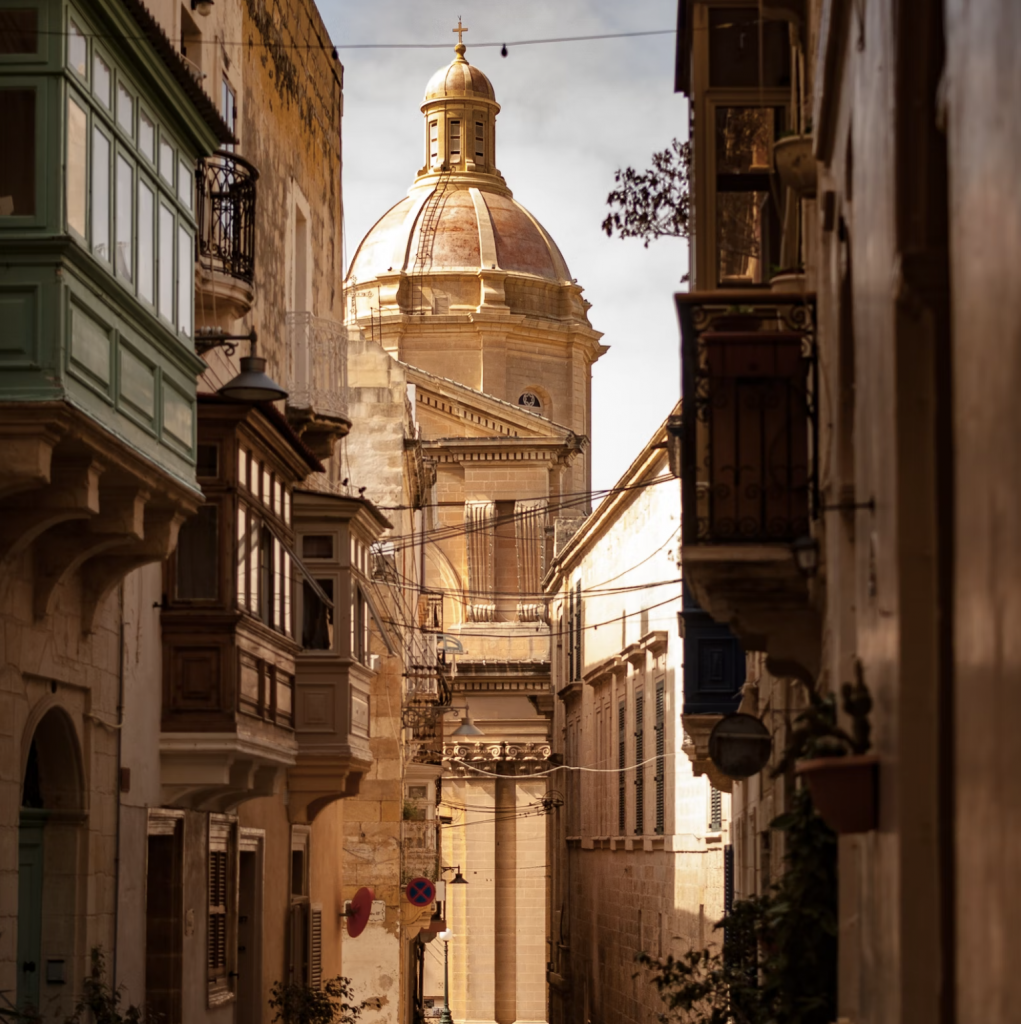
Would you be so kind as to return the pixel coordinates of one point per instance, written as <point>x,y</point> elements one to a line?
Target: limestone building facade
<point>638,843</point>
<point>180,734</point>
<point>473,302</point>
<point>890,214</point>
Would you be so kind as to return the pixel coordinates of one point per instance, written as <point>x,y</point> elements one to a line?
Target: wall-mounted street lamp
<point>252,384</point>
<point>458,878</point>
<point>806,555</point>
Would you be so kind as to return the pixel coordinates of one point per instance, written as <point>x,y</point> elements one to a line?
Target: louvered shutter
<point>660,776</point>
<point>217,942</point>
<point>315,946</point>
<point>621,765</point>
<point>639,758</point>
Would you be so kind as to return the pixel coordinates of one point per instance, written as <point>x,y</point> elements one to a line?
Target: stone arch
<point>50,867</point>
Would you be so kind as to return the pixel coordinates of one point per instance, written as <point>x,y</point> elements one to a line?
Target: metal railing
<point>225,208</point>
<point>749,429</point>
<point>317,364</point>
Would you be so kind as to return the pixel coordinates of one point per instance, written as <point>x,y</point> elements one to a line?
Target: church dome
<point>458,230</point>
<point>457,80</point>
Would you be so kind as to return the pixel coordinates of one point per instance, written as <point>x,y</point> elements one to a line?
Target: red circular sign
<point>359,910</point>
<point>420,892</point>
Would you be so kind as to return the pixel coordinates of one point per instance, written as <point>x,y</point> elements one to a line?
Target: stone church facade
<point>473,301</point>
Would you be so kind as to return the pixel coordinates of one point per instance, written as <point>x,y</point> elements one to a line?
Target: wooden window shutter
<point>640,769</point>
<point>217,944</point>
<point>621,765</point>
<point>660,776</point>
<point>315,946</point>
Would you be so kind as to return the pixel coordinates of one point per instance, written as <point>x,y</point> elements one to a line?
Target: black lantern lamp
<point>467,726</point>
<point>458,878</point>
<point>806,555</point>
<point>740,745</point>
<point>252,384</point>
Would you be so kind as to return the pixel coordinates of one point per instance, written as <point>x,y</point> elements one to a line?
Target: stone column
<point>530,918</point>
<point>471,908</point>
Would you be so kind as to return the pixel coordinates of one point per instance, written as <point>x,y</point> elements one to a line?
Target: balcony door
<point>249,932</point>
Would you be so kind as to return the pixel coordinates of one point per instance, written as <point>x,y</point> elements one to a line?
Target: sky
<point>572,114</point>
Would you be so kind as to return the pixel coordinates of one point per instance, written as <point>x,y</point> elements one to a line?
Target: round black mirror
<point>740,746</point>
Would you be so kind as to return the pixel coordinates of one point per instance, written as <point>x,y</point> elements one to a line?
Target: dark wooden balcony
<point>749,482</point>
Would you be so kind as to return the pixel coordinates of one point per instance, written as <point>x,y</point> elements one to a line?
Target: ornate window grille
<point>225,190</point>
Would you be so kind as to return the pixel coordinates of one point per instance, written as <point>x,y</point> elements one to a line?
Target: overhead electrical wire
<point>569,767</point>
<point>332,48</point>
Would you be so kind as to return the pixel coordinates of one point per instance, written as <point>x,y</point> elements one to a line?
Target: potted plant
<point>787,280</point>
<point>840,773</point>
<point>795,163</point>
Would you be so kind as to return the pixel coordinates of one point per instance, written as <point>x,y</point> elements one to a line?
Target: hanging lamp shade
<point>467,728</point>
<point>459,879</point>
<point>252,384</point>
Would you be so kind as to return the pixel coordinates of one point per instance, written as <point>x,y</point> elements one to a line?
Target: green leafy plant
<point>778,961</point>
<point>653,203</point>
<point>297,1003</point>
<point>816,732</point>
<point>100,1002</point>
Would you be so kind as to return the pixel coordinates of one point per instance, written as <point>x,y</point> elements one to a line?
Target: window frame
<point>41,55</point>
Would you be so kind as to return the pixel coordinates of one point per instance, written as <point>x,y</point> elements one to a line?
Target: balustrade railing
<point>317,364</point>
<point>225,208</point>
<point>749,421</point>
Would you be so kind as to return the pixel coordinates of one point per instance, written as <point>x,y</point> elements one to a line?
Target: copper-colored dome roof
<point>459,79</point>
<point>455,241</point>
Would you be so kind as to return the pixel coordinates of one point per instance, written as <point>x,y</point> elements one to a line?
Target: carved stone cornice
<point>696,747</point>
<point>497,758</point>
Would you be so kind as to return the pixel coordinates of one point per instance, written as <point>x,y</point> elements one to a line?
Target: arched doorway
<point>52,812</point>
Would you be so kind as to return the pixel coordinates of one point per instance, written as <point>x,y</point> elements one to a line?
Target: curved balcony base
<point>319,430</point>
<point>80,500</point>
<point>696,748</point>
<point>757,590</point>
<point>218,771</point>
<point>220,299</point>
<point>317,780</point>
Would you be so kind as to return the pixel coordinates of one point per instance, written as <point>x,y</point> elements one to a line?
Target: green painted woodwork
<point>80,256</point>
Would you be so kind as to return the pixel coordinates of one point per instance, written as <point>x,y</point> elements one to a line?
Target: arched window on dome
<point>454,150</point>
<point>434,143</point>
<point>530,400</point>
<point>480,142</point>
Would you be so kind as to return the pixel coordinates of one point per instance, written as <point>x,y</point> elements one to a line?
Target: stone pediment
<point>447,409</point>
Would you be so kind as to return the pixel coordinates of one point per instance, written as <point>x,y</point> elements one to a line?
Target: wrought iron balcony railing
<point>749,421</point>
<point>317,365</point>
<point>225,207</point>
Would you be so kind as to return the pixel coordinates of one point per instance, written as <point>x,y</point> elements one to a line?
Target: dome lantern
<point>460,111</point>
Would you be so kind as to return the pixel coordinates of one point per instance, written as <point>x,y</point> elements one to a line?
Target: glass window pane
<point>19,30</point>
<point>77,51</point>
<point>146,249</point>
<point>739,230</point>
<point>101,80</point>
<point>166,264</point>
<point>197,556</point>
<point>125,187</point>
<point>146,135</point>
<point>744,140</point>
<point>734,49</point>
<point>166,161</point>
<point>17,164</point>
<point>125,110</point>
<point>316,617</point>
<point>100,194</point>
<point>242,559</point>
<point>185,280</point>
<point>77,169</point>
<point>184,179</point>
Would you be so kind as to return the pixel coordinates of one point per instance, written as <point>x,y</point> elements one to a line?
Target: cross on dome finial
<point>460,30</point>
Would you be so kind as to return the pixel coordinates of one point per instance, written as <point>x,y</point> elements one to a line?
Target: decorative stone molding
<point>480,533</point>
<point>530,534</point>
<point>497,758</point>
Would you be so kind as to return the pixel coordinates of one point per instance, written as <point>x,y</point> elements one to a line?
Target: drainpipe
<point>117,790</point>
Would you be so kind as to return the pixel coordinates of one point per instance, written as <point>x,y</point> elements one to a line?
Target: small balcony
<point>225,187</point>
<point>317,381</point>
<point>749,484</point>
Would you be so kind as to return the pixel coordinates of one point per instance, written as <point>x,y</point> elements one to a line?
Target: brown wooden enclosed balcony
<point>225,189</point>
<point>749,479</point>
